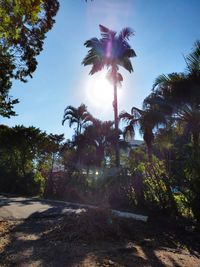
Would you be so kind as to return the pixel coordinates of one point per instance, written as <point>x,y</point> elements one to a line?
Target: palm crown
<point>147,120</point>
<point>79,116</point>
<point>111,50</point>
<point>180,88</point>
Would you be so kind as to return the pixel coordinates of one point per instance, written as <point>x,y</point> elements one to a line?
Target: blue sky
<point>164,32</point>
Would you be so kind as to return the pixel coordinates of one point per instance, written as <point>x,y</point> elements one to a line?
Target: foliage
<point>79,116</point>
<point>22,43</point>
<point>153,185</point>
<point>111,50</point>
<point>100,136</point>
<point>147,120</point>
<point>54,146</point>
<point>32,20</point>
<point>172,91</point>
<point>188,169</point>
<point>24,159</point>
<point>6,102</point>
<point>161,176</point>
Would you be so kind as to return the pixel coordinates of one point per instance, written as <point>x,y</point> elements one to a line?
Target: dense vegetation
<point>163,175</point>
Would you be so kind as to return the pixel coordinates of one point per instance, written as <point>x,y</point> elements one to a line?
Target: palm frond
<point>82,108</point>
<point>136,112</point>
<point>169,79</point>
<point>119,77</point>
<point>160,80</point>
<point>129,53</point>
<point>90,58</point>
<point>125,116</point>
<point>106,33</point>
<point>128,132</point>
<point>126,63</point>
<point>72,121</point>
<point>93,42</point>
<point>193,59</point>
<point>97,66</point>
<point>70,108</point>
<point>109,51</point>
<point>126,33</point>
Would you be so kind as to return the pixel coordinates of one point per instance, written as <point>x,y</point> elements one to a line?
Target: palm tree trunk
<point>150,152</point>
<point>77,129</point>
<point>115,106</point>
<point>195,137</point>
<point>148,138</point>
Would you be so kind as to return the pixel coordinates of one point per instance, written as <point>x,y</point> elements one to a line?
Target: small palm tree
<point>147,120</point>
<point>112,51</point>
<point>100,134</point>
<point>79,116</point>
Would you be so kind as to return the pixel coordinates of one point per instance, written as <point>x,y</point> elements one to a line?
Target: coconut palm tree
<point>111,51</point>
<point>147,120</point>
<point>79,116</point>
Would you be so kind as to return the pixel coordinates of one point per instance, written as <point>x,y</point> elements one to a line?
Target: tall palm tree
<point>147,120</point>
<point>79,116</point>
<point>111,51</point>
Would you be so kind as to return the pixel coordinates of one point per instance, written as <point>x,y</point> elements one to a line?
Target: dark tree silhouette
<point>23,28</point>
<point>112,51</point>
<point>79,116</point>
<point>147,120</point>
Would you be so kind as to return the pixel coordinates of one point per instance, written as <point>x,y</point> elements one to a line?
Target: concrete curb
<point>69,208</point>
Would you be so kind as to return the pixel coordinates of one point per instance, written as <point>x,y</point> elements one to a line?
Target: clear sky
<point>164,32</point>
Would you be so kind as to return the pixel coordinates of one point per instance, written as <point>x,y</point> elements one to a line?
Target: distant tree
<point>101,136</point>
<point>69,157</point>
<point>55,148</point>
<point>111,51</point>
<point>25,154</point>
<point>56,139</point>
<point>6,69</point>
<point>79,116</point>
<point>147,120</point>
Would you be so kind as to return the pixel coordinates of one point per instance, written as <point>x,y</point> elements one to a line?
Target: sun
<point>99,90</point>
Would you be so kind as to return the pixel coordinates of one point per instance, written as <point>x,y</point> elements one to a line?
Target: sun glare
<point>100,91</point>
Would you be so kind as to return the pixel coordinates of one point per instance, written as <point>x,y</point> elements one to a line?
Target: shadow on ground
<point>7,200</point>
<point>42,240</point>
